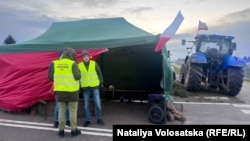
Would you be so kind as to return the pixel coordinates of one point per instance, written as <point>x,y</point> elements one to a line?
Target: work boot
<point>61,133</point>
<point>75,133</point>
<point>55,124</point>
<point>68,123</point>
<point>86,123</point>
<point>100,122</point>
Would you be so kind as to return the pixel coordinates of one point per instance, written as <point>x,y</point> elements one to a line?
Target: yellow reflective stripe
<point>88,74</point>
<point>63,77</point>
<point>93,80</point>
<point>67,83</point>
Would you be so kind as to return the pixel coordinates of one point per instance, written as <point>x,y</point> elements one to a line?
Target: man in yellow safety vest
<point>65,75</point>
<point>91,80</point>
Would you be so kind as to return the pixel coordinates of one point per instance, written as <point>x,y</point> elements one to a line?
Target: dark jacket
<point>63,96</point>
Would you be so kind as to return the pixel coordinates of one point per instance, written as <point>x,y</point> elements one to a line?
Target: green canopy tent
<point>85,34</point>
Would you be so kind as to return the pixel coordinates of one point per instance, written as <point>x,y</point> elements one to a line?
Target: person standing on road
<point>91,80</point>
<point>56,110</point>
<point>65,75</point>
<point>56,113</point>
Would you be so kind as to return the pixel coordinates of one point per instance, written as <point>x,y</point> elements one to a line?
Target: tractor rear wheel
<point>233,80</point>
<point>193,77</point>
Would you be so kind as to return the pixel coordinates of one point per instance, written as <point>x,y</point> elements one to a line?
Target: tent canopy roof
<point>85,34</point>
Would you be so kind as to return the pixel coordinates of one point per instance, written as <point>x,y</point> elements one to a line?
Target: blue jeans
<point>56,112</point>
<point>96,97</point>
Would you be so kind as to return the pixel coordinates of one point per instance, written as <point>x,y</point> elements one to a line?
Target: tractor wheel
<point>233,80</point>
<point>182,74</point>
<point>193,77</point>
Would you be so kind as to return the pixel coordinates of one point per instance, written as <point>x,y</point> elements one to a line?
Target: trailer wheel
<point>156,113</point>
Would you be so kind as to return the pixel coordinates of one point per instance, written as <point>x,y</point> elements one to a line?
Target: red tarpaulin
<point>24,78</point>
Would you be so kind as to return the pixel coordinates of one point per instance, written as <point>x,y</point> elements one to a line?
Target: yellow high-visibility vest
<point>89,78</point>
<point>63,76</point>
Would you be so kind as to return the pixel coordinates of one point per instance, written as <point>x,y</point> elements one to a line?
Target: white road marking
<point>245,111</point>
<point>207,103</point>
<point>24,122</point>
<point>45,124</point>
<point>235,105</point>
<point>241,105</point>
<point>42,126</point>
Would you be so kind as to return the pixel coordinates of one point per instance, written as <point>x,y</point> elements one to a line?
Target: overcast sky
<point>27,19</point>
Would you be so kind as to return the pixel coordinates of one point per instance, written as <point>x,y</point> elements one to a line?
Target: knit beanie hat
<point>84,53</point>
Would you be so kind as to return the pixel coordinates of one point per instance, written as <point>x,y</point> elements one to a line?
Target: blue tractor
<point>212,65</point>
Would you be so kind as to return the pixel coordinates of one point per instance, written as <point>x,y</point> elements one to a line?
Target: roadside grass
<point>178,90</point>
<point>177,70</point>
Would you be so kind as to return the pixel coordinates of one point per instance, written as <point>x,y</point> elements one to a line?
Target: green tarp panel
<point>167,79</point>
<point>85,34</point>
